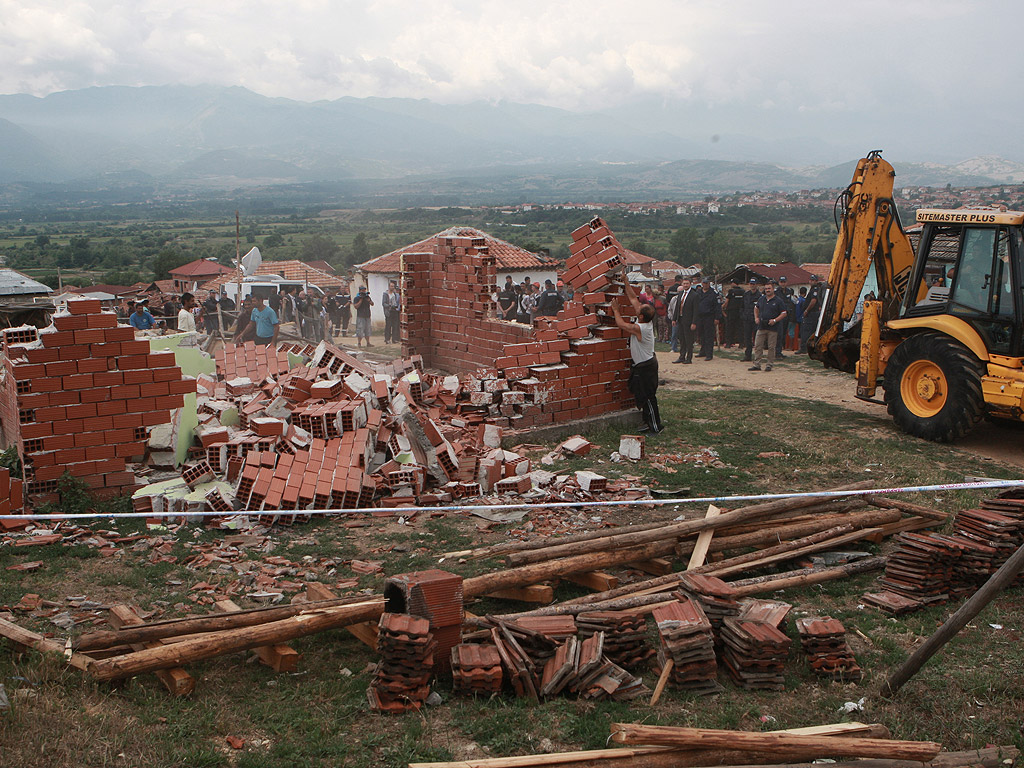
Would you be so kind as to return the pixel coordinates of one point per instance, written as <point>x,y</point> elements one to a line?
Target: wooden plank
<point>532,593</point>
<point>279,657</point>
<point>177,681</point>
<point>599,581</point>
<point>700,549</point>
<point>656,566</point>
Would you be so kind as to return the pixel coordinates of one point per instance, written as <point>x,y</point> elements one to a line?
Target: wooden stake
<point>666,673</point>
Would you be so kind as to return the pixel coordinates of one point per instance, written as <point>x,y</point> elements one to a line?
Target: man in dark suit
<point>686,317</point>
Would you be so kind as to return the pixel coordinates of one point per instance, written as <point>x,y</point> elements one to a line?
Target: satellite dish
<point>251,262</point>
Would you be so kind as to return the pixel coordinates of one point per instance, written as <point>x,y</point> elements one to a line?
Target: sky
<point>784,67</point>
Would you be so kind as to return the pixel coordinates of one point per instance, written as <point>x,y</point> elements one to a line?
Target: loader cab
<point>968,265</point>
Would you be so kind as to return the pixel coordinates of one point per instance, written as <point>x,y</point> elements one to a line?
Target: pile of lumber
<point>845,745</point>
<point>165,647</point>
<point>752,538</point>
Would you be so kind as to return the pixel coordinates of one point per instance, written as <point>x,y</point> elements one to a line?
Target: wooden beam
<point>531,593</point>
<point>364,632</point>
<point>656,566</point>
<point>766,743</point>
<point>279,657</point>
<point>29,639</point>
<point>595,580</point>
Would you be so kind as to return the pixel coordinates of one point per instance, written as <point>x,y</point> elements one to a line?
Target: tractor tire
<point>933,387</point>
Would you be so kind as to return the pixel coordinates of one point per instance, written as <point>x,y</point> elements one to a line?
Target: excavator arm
<point>870,236</point>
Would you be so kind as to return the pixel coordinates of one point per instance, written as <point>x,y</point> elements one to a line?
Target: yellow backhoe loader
<point>939,326</point>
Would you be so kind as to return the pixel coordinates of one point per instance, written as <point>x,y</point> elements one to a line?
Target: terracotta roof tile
<point>506,255</point>
<point>198,268</point>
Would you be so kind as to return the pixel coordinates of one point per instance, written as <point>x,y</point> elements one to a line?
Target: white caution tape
<point>546,505</point>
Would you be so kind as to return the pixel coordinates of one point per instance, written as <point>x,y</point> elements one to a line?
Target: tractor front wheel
<point>933,387</point>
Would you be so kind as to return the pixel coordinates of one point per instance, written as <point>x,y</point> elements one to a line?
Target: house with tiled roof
<point>195,273</point>
<point>763,273</point>
<point>292,269</point>
<point>821,270</point>
<point>508,258</point>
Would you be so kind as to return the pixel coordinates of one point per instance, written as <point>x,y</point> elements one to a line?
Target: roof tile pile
<point>824,641</point>
<point>754,653</point>
<point>476,669</point>
<point>687,640</point>
<point>402,679</point>
<point>625,635</point>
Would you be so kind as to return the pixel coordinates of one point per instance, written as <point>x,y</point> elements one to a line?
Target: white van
<point>266,286</point>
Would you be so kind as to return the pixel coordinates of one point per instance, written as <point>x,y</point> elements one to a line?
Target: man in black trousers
<point>686,318</point>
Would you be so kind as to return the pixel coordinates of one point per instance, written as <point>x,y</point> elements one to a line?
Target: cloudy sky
<point>785,67</point>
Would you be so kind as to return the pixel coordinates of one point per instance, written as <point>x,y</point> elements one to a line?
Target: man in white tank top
<point>643,375</point>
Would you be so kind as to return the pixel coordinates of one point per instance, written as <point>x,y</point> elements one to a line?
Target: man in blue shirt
<point>267,324</point>
<point>140,319</point>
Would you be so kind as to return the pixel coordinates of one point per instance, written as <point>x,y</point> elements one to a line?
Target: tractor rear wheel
<point>933,387</point>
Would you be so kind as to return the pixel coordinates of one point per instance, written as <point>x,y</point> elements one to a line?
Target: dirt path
<point>798,377</point>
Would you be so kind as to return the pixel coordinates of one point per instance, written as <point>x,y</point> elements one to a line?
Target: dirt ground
<point>796,376</point>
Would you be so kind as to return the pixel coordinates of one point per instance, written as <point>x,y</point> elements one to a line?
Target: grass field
<point>970,695</point>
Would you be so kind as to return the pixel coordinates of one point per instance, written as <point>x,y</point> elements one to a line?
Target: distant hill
<point>174,138</point>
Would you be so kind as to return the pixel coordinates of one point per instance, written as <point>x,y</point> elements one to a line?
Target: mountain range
<point>196,139</point>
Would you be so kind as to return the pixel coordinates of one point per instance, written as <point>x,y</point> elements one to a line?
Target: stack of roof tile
<point>687,639</point>
<point>921,567</point>
<point>476,668</point>
<point>406,649</point>
<point>824,641</point>
<point>754,653</point>
<point>716,597</point>
<point>625,635</point>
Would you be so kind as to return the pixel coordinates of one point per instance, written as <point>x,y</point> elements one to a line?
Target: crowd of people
<point>762,318</point>
<point>522,302</point>
<point>315,317</point>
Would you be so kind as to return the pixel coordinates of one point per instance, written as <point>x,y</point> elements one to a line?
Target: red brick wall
<point>79,401</point>
<point>567,367</point>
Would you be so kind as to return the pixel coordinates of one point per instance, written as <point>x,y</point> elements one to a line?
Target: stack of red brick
<point>79,398</point>
<point>565,367</point>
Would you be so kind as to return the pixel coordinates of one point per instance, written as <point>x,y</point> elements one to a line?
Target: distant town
<point>1010,196</point>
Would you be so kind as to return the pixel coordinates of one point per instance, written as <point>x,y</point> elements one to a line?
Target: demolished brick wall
<point>562,368</point>
<point>78,397</point>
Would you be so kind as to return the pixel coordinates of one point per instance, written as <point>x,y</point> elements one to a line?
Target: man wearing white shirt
<point>187,320</point>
